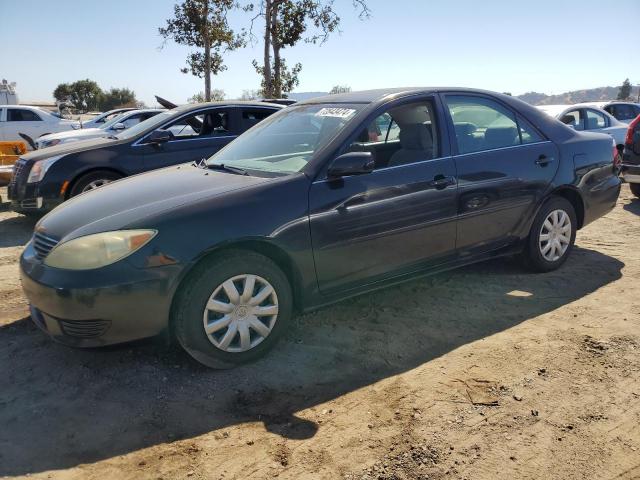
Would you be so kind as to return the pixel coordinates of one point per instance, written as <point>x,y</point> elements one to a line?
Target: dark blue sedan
<point>323,200</point>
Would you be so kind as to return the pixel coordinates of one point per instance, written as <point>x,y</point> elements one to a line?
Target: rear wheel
<point>92,181</point>
<point>232,309</point>
<point>552,236</point>
<point>635,189</point>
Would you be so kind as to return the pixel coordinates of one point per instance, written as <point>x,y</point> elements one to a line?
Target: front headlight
<point>39,169</point>
<point>98,250</point>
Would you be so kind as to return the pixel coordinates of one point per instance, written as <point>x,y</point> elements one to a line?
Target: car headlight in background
<point>98,250</point>
<point>39,169</point>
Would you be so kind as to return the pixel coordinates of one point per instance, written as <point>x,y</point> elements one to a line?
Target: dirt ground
<point>482,373</point>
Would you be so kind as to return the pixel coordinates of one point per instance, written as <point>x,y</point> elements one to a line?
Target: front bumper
<point>630,173</point>
<point>114,304</point>
<point>28,198</point>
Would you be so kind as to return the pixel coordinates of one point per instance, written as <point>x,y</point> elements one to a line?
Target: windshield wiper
<point>227,168</point>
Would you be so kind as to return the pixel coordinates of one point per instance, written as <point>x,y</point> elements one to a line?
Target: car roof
<point>232,103</point>
<point>384,94</point>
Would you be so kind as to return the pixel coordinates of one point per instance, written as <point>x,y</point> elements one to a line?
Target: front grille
<point>43,244</point>
<point>85,328</point>
<point>18,169</point>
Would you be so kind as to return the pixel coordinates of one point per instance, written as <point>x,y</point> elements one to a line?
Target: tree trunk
<point>268,84</point>
<point>277,70</point>
<point>207,53</point>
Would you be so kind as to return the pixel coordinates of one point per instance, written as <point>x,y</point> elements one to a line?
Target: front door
<point>394,220</point>
<point>194,136</point>
<point>504,167</point>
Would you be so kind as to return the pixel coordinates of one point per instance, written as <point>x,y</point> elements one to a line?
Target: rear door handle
<point>440,181</point>
<point>543,160</point>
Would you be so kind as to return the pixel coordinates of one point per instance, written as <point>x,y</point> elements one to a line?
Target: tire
<point>99,177</point>
<point>190,311</point>
<point>557,253</point>
<point>635,189</point>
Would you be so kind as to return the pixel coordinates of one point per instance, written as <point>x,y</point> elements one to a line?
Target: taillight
<point>632,126</point>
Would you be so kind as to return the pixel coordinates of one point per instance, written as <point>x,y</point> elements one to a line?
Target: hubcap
<point>240,313</point>
<point>555,235</point>
<point>95,184</point>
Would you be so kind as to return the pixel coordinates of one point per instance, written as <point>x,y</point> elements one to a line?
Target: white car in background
<point>623,111</point>
<point>112,127</point>
<point>31,121</point>
<point>588,118</point>
<point>102,118</point>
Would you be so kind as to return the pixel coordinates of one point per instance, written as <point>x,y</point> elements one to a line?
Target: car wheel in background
<point>552,236</point>
<point>93,180</point>
<point>232,309</point>
<point>635,189</point>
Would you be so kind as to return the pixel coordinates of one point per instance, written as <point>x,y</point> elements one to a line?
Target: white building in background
<point>8,95</point>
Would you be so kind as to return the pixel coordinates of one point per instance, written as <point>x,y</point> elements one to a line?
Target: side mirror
<point>159,136</point>
<point>119,126</point>
<point>352,163</point>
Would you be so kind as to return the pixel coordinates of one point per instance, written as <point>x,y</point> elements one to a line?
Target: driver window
<point>400,136</point>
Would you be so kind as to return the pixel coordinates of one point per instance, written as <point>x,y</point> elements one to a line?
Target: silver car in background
<point>588,118</point>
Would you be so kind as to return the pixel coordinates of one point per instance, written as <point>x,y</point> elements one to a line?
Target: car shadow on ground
<point>16,231</point>
<point>61,407</point>
<point>633,206</point>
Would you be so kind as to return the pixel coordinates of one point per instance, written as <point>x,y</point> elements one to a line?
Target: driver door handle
<point>543,160</point>
<point>440,181</point>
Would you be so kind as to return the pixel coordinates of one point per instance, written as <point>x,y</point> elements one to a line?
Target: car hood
<point>130,200</point>
<point>72,147</point>
<point>86,132</point>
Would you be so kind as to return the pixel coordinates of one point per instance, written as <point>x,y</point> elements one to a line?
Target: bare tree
<point>203,24</point>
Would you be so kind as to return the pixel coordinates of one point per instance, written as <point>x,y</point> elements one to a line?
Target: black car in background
<point>630,168</point>
<point>326,199</point>
<point>44,179</point>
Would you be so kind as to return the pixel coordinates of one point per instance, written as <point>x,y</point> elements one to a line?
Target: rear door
<point>504,167</point>
<point>195,135</point>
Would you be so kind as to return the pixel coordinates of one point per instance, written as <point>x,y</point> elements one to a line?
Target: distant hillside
<point>601,94</point>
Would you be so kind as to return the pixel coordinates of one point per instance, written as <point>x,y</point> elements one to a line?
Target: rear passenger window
<point>527,133</point>
<point>482,124</point>
<point>595,120</point>
<point>252,117</point>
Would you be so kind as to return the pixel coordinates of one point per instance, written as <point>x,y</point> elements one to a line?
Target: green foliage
<point>287,22</point>
<point>217,95</point>
<point>117,97</point>
<point>250,95</point>
<point>83,94</point>
<point>203,24</point>
<point>625,90</point>
<point>86,95</point>
<point>340,89</point>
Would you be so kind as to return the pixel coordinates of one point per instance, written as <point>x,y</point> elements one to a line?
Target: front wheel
<point>552,236</point>
<point>635,189</point>
<point>232,309</point>
<point>93,180</point>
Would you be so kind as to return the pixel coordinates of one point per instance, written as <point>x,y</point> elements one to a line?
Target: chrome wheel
<point>240,313</point>
<point>555,235</point>
<point>95,184</point>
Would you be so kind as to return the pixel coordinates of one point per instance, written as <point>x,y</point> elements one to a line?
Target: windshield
<point>286,141</point>
<point>118,118</point>
<point>148,124</point>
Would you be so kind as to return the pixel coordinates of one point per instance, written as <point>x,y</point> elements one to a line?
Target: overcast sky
<point>547,46</point>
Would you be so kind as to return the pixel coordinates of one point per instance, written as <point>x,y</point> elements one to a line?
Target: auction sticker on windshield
<point>335,112</point>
